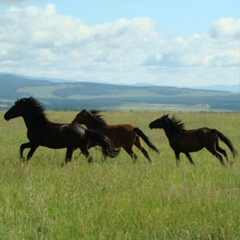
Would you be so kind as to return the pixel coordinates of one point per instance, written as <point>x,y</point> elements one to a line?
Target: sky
<point>183,43</point>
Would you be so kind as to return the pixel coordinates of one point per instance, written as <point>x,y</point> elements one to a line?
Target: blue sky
<point>183,17</point>
<point>179,43</point>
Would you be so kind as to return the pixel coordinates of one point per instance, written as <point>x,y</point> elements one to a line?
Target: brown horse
<point>123,135</point>
<point>42,132</point>
<point>186,141</point>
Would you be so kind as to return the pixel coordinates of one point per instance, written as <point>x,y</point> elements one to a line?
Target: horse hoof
<point>63,164</point>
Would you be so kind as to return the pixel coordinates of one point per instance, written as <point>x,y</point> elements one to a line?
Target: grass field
<point>114,198</point>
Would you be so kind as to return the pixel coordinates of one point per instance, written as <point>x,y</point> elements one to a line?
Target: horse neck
<point>94,124</point>
<point>32,120</point>
<point>171,131</point>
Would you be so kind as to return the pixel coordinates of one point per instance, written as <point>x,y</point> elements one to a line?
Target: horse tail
<point>98,139</point>
<point>223,138</point>
<point>141,134</point>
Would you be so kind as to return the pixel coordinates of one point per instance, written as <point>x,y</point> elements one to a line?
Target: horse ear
<point>165,117</point>
<point>83,111</point>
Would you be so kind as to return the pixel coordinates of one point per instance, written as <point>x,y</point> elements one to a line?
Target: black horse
<point>42,132</point>
<point>185,141</point>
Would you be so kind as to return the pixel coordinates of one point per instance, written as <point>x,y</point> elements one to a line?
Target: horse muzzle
<point>150,126</point>
<point>6,117</point>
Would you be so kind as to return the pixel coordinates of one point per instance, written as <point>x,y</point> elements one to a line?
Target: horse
<point>43,132</point>
<point>123,135</point>
<point>185,141</point>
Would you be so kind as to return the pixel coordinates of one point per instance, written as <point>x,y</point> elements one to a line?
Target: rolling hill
<point>76,95</point>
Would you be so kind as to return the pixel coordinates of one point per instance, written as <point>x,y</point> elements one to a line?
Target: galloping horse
<point>123,135</point>
<point>42,132</point>
<point>186,141</point>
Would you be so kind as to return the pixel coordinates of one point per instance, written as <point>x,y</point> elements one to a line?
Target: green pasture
<point>115,198</point>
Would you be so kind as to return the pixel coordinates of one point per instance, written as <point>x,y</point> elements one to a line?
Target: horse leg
<point>131,153</point>
<point>216,154</point>
<point>177,155</point>
<point>138,144</point>
<point>222,151</point>
<point>22,147</point>
<point>69,153</point>
<point>133,156</point>
<point>87,154</point>
<point>189,158</point>
<point>31,152</point>
<point>145,153</point>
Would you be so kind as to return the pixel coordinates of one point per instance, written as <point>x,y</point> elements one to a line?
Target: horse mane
<point>36,107</point>
<point>97,116</point>
<point>177,123</point>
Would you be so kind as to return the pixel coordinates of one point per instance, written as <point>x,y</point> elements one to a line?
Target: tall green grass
<point>114,198</point>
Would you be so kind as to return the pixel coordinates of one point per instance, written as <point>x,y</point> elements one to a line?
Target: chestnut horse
<point>186,141</point>
<point>123,135</point>
<point>42,132</point>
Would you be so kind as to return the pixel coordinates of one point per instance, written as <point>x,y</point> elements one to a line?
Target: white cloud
<point>196,51</point>
<point>41,42</point>
<point>226,28</point>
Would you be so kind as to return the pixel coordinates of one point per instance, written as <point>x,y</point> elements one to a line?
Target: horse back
<point>192,140</point>
<point>121,135</point>
<point>199,135</point>
<point>56,135</point>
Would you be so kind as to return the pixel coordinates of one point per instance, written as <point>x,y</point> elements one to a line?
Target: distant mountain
<point>142,85</point>
<point>228,88</point>
<point>223,88</point>
<point>10,84</point>
<point>72,95</point>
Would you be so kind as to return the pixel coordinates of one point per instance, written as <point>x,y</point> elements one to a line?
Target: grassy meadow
<point>115,198</point>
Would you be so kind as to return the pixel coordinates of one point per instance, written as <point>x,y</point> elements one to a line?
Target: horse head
<point>160,122</point>
<point>80,118</point>
<point>16,110</point>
